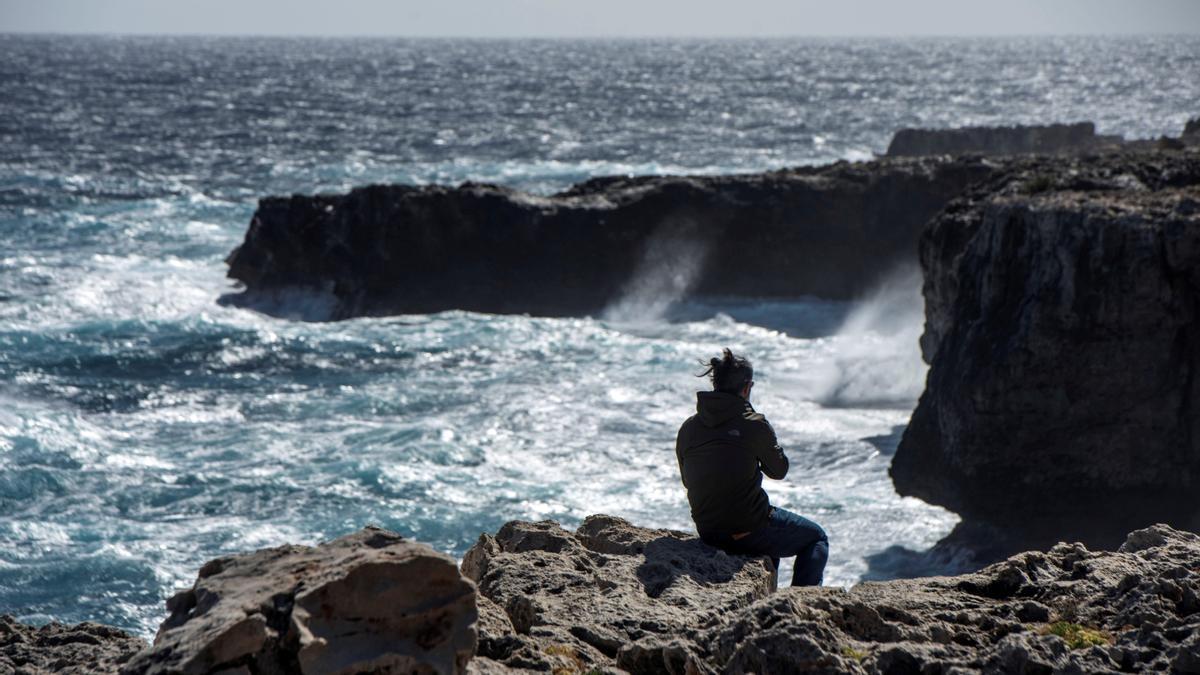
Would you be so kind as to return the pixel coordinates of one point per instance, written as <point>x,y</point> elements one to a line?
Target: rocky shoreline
<point>1062,297</point>
<point>612,597</point>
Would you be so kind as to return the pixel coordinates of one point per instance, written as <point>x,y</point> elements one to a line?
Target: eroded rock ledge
<point>612,597</point>
<point>1062,303</point>
<point>829,231</point>
<point>369,602</point>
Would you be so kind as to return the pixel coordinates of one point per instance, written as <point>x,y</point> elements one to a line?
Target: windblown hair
<point>729,373</point>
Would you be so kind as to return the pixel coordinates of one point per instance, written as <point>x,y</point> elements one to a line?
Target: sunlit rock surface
<point>369,602</point>
<point>831,231</point>
<point>608,594</point>
<point>1067,610</point>
<point>1062,301</point>
<point>612,595</point>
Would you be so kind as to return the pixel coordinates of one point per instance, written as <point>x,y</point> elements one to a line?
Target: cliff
<point>1076,139</point>
<point>1061,303</point>
<point>1012,140</point>
<point>611,597</point>
<point>829,231</point>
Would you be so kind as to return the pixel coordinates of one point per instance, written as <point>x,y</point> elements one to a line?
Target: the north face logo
<point>735,432</point>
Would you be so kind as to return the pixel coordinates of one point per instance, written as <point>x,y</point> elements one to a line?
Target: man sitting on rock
<point>723,452</point>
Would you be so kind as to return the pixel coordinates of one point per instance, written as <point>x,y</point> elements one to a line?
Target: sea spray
<point>878,358</point>
<point>671,260</point>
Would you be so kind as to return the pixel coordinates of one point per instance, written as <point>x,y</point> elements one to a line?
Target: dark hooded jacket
<point>723,452</point>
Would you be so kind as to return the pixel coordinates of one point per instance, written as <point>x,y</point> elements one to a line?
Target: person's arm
<point>771,459</point>
<point>679,447</point>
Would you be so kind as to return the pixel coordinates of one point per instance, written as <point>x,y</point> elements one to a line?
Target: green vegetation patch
<point>1039,183</point>
<point>1077,636</point>
<point>851,652</point>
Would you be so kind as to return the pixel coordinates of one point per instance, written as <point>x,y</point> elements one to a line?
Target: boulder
<point>607,595</point>
<point>1012,140</point>
<point>830,231</point>
<point>367,602</point>
<point>1062,302</point>
<point>81,649</point>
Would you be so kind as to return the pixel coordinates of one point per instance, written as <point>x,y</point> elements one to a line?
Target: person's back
<point>720,450</point>
<point>723,451</point>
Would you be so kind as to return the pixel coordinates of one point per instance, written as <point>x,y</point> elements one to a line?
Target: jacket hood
<point>717,407</point>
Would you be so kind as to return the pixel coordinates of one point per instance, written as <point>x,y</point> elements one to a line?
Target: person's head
<point>730,374</point>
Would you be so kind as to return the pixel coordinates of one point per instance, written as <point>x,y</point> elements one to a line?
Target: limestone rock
<point>1062,334</point>
<point>1092,612</point>
<point>608,595</point>
<point>829,231</point>
<point>367,602</point>
<point>82,649</point>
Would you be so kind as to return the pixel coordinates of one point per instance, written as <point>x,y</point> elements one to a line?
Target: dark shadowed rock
<point>829,231</point>
<point>367,602</point>
<point>1062,304</point>
<point>82,649</point>
<point>608,595</point>
<point>1014,140</point>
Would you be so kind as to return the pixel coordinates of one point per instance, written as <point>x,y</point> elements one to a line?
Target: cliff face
<point>1062,304</point>
<point>829,231</point>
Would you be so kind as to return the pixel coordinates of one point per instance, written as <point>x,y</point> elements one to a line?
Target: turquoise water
<point>144,428</point>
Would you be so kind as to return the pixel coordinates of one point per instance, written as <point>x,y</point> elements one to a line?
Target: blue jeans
<point>785,535</point>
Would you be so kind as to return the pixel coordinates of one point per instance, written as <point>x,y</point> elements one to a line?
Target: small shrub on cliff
<point>851,652</point>
<point>1077,636</point>
<point>1038,183</point>
<point>566,660</point>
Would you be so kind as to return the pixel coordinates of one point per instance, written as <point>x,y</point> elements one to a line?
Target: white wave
<point>875,357</point>
<point>672,259</point>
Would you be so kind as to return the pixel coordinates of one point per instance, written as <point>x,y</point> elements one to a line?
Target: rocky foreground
<point>612,597</point>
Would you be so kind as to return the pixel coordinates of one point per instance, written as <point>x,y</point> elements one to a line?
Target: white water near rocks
<point>145,429</point>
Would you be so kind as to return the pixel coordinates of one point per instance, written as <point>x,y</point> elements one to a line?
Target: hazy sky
<point>599,18</point>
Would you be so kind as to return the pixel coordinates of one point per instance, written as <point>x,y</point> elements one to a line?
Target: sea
<point>145,427</point>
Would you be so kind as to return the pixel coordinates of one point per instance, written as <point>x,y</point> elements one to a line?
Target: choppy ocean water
<point>145,429</point>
